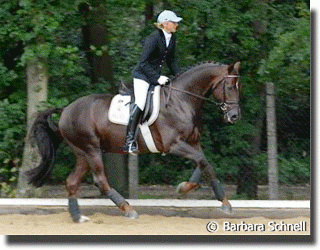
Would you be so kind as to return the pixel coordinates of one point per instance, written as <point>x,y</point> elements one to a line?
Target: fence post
<point>133,170</point>
<point>117,172</point>
<point>273,178</point>
<point>123,174</point>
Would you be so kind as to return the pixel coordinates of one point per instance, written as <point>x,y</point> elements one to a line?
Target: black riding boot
<point>131,144</point>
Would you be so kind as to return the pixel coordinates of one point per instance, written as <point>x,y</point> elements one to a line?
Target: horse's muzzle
<point>232,116</point>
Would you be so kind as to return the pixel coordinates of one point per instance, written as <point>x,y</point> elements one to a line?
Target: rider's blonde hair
<point>158,25</point>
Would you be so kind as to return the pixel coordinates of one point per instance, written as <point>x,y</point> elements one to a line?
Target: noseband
<point>223,105</point>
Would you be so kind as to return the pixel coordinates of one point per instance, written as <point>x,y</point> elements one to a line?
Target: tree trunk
<point>95,36</point>
<point>246,179</point>
<point>37,88</point>
<point>148,14</point>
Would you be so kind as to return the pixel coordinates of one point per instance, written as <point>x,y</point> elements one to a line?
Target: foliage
<point>12,131</point>
<point>288,65</point>
<point>288,62</point>
<point>294,170</point>
<point>167,169</point>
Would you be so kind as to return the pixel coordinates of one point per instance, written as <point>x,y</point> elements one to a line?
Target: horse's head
<point>226,91</point>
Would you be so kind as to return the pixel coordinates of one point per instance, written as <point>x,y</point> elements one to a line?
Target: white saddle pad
<point>119,112</point>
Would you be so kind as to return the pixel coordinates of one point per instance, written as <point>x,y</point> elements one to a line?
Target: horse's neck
<point>186,100</point>
<point>198,79</point>
<point>197,82</point>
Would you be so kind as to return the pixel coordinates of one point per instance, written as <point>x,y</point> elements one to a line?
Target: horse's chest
<point>194,136</point>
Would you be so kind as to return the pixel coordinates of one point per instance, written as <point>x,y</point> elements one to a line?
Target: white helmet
<point>168,16</point>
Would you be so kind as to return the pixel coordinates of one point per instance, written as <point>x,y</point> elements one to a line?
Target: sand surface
<point>102,224</point>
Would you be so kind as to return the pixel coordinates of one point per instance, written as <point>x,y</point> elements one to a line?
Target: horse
<point>85,127</point>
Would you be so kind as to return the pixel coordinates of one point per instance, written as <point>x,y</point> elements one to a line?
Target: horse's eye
<point>224,107</point>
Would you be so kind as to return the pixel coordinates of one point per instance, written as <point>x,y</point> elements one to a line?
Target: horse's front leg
<point>193,183</point>
<point>194,153</point>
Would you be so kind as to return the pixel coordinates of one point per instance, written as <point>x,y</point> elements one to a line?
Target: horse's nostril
<point>233,118</point>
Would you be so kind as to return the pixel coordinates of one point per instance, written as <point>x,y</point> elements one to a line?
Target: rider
<point>159,48</point>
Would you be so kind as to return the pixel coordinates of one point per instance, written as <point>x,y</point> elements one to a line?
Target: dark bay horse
<point>84,125</point>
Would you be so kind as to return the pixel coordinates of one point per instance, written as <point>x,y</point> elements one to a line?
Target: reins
<point>186,92</point>
<point>200,96</point>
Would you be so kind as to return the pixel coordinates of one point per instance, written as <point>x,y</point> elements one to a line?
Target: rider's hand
<point>163,80</point>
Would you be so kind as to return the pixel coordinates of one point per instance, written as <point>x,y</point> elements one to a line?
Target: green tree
<point>34,26</point>
<point>288,66</point>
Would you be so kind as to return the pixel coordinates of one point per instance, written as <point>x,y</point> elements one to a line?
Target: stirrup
<point>131,148</point>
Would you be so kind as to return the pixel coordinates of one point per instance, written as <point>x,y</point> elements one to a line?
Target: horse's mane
<point>195,67</point>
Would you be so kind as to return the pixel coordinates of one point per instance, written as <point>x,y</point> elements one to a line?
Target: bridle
<point>223,105</point>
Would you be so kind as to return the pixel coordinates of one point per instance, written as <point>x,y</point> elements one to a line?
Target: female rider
<point>159,48</point>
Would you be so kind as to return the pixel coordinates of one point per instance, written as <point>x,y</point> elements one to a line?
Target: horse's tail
<point>47,137</point>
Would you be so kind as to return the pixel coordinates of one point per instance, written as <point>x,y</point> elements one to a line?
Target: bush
<point>12,133</point>
<point>170,169</point>
<point>294,170</point>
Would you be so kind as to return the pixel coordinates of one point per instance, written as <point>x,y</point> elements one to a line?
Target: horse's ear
<point>234,68</point>
<point>237,67</point>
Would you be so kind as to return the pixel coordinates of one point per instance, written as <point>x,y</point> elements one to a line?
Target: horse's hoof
<point>132,214</point>
<point>181,187</point>
<point>83,219</point>
<point>185,187</point>
<point>226,207</point>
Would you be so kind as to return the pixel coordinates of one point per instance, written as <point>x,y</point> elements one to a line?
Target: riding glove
<point>163,80</point>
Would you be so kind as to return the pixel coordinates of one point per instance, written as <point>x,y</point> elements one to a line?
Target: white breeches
<point>140,88</point>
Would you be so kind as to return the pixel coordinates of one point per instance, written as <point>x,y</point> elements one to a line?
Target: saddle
<point>121,104</point>
<point>119,112</point>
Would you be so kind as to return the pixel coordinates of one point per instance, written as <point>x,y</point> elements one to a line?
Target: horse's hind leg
<point>94,158</point>
<point>72,185</point>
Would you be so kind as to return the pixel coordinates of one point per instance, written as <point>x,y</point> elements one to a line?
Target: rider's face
<point>170,27</point>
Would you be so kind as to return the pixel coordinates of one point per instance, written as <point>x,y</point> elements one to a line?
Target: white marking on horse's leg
<point>83,219</point>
